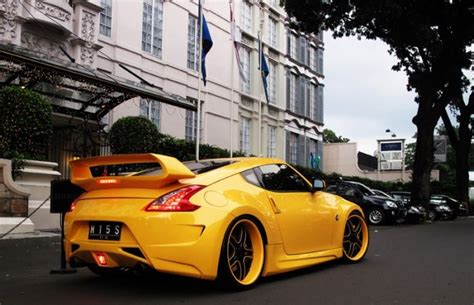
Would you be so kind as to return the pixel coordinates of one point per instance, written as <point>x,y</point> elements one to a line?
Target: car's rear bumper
<point>185,243</point>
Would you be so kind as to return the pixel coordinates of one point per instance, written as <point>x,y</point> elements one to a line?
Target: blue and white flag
<point>206,43</point>
<point>264,71</point>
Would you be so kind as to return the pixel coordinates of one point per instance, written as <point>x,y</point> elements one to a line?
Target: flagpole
<point>232,28</point>
<point>198,131</point>
<point>260,55</point>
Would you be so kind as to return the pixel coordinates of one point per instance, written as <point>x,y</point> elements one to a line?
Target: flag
<point>236,36</point>
<point>263,67</point>
<point>206,43</point>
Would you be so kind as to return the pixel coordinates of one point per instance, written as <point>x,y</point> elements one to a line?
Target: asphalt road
<point>415,265</point>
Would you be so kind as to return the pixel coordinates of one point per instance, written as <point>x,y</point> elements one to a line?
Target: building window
<point>246,16</point>
<point>292,93</point>
<point>193,43</point>
<point>245,63</point>
<point>272,82</point>
<point>151,110</point>
<point>293,47</point>
<point>272,32</point>
<point>190,124</point>
<point>293,159</point>
<point>313,62</point>
<point>312,151</point>
<point>245,136</point>
<point>152,30</point>
<point>320,105</point>
<point>271,147</point>
<point>320,62</point>
<point>106,18</point>
<point>312,102</point>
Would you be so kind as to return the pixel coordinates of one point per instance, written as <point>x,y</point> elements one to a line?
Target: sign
<point>390,154</point>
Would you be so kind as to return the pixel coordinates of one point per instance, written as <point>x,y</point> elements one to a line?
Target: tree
<point>429,39</point>
<point>460,141</point>
<point>132,135</point>
<point>26,126</point>
<point>330,136</point>
<point>410,149</point>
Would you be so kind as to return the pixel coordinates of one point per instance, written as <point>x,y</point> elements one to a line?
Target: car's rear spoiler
<point>172,170</point>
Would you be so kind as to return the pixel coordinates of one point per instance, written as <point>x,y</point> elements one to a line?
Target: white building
<point>163,50</point>
<point>99,60</point>
<point>141,58</point>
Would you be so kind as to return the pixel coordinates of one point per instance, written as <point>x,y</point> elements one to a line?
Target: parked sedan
<point>378,209</point>
<point>439,210</point>
<point>416,212</point>
<point>458,208</point>
<point>403,205</point>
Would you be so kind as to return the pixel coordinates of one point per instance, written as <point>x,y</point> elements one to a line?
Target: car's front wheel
<point>376,216</point>
<point>356,238</point>
<point>432,215</point>
<point>242,254</point>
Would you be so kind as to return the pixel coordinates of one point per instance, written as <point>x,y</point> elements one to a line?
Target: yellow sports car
<point>234,220</point>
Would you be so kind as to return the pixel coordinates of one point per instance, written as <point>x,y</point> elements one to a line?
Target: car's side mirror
<point>318,185</point>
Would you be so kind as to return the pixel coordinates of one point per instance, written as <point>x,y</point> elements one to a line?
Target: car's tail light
<point>100,258</point>
<point>73,205</point>
<point>176,201</point>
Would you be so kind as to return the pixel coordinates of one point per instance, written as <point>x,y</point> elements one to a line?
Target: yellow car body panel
<point>299,229</point>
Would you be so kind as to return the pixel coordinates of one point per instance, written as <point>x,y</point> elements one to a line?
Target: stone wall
<point>12,203</point>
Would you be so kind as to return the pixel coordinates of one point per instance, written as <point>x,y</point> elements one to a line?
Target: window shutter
<point>288,89</point>
<point>288,42</point>
<point>308,151</point>
<point>320,104</point>
<point>319,152</point>
<point>287,147</point>
<point>308,98</point>
<point>300,150</point>
<point>303,96</point>
<point>297,94</point>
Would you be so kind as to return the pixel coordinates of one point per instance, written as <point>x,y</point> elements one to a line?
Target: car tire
<point>355,241</point>
<point>242,255</point>
<point>432,215</point>
<point>376,216</point>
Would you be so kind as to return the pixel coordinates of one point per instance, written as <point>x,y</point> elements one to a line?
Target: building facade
<point>162,47</point>
<point>147,52</point>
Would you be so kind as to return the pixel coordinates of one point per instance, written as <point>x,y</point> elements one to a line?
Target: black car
<point>402,204</point>
<point>378,209</point>
<point>458,208</point>
<point>416,212</point>
<point>437,209</point>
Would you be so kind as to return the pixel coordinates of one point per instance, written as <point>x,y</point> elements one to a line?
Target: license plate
<point>104,230</point>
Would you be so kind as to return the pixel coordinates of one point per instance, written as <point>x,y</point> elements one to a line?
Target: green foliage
<point>25,125</point>
<point>330,136</point>
<point>429,39</point>
<point>139,135</point>
<point>131,134</point>
<point>410,149</point>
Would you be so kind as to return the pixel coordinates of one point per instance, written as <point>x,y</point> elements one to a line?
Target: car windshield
<point>381,193</point>
<point>365,190</point>
<point>197,167</point>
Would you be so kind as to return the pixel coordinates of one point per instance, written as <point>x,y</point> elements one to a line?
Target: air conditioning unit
<point>385,166</point>
<point>396,165</point>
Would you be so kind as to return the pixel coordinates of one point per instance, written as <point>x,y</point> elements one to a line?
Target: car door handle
<point>276,210</point>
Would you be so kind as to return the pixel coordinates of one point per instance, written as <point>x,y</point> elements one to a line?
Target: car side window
<point>251,177</point>
<point>281,178</point>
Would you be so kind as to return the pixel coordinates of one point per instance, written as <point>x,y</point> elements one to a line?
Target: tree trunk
<point>425,120</point>
<point>462,157</point>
